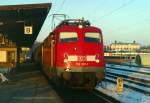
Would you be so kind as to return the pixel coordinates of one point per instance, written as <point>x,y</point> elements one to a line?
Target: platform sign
<point>119,87</point>
<point>28,30</point>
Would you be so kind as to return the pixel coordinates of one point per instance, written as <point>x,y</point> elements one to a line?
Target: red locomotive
<point>73,54</point>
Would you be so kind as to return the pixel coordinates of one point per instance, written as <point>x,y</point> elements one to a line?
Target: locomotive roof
<point>74,22</point>
<point>70,25</point>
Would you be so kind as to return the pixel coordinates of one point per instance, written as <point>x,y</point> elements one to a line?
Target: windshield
<point>68,36</point>
<point>92,37</point>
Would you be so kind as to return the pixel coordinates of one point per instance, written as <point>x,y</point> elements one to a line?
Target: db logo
<point>82,58</point>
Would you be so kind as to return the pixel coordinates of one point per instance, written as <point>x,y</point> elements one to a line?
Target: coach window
<point>68,36</point>
<point>92,37</point>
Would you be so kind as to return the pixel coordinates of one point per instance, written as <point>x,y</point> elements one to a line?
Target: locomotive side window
<point>68,36</point>
<point>92,37</point>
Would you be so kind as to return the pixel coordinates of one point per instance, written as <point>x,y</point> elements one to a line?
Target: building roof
<point>14,18</point>
<point>124,43</point>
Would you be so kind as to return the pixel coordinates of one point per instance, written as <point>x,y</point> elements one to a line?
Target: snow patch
<point>128,95</point>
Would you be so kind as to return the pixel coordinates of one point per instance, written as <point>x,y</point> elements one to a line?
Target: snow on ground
<point>128,73</point>
<point>140,69</point>
<point>132,85</point>
<point>127,96</point>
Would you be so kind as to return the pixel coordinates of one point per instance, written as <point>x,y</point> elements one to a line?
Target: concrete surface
<point>28,87</point>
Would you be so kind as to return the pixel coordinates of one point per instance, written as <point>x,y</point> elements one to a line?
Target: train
<point>73,54</point>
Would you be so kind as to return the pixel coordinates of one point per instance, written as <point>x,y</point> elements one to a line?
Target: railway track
<point>133,78</point>
<point>69,95</point>
<point>136,78</point>
<point>104,97</point>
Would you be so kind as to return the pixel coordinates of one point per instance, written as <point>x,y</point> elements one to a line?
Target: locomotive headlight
<point>97,58</point>
<point>65,60</point>
<point>80,26</point>
<point>67,67</point>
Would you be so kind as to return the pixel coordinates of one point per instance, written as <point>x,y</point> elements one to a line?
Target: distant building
<point>124,46</point>
<point>145,49</point>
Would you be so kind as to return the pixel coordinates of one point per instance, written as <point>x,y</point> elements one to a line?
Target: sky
<point>121,20</point>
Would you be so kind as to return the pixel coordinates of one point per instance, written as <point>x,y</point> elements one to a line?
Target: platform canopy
<point>22,23</point>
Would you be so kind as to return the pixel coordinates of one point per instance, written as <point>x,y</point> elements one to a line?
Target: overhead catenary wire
<point>55,12</point>
<point>61,6</point>
<point>117,9</point>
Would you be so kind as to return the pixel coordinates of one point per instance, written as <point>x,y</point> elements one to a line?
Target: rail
<point>106,98</point>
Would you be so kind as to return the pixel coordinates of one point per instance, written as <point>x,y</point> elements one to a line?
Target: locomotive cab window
<point>92,37</point>
<point>68,37</point>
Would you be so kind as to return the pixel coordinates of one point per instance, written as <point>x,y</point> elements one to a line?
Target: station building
<point>8,52</point>
<point>19,28</point>
<point>127,47</point>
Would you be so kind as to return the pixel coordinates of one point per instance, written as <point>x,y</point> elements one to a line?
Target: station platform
<point>27,85</point>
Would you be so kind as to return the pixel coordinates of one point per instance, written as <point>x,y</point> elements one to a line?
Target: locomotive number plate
<point>82,58</point>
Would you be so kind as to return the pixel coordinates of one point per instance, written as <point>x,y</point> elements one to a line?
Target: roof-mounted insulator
<point>75,22</point>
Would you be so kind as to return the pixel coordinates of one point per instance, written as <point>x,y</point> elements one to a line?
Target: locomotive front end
<point>80,56</point>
